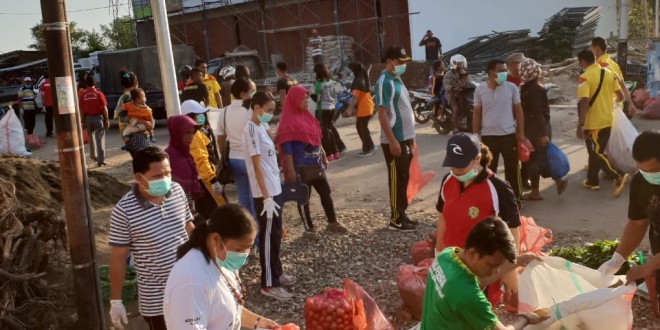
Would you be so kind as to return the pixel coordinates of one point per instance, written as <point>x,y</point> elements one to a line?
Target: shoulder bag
<point>225,175</point>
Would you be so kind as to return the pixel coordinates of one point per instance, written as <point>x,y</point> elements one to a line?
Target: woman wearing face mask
<point>325,95</point>
<point>205,154</point>
<point>365,107</point>
<point>231,122</point>
<point>299,136</point>
<point>182,129</point>
<point>471,193</point>
<point>203,290</point>
<point>264,174</point>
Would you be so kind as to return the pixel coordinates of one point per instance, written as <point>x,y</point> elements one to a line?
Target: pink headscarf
<point>296,124</point>
<point>184,170</point>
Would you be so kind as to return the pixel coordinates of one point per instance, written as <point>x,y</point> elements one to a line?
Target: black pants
<point>270,241</point>
<point>330,139</point>
<point>30,120</point>
<point>596,143</point>
<point>318,59</point>
<point>206,204</point>
<point>17,111</point>
<point>398,174</point>
<point>323,189</point>
<point>506,146</point>
<point>362,126</point>
<point>537,166</point>
<point>156,322</point>
<point>49,121</point>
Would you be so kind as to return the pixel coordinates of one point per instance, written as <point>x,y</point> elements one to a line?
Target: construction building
<point>279,30</point>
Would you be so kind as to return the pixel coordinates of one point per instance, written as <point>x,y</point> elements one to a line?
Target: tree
<point>119,33</point>
<point>83,41</point>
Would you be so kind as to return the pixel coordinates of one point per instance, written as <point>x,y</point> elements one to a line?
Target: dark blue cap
<point>462,148</point>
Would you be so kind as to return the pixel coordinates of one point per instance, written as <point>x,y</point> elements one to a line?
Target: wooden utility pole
<point>622,53</point>
<point>75,188</point>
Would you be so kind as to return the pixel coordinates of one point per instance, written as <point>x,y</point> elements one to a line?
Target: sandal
<point>561,186</point>
<point>530,197</point>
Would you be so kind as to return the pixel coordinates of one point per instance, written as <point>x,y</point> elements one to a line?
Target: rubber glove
<point>118,314</point>
<point>613,265</point>
<point>217,188</point>
<point>270,208</point>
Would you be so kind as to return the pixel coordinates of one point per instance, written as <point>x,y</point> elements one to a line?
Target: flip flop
<point>561,186</point>
<point>529,197</point>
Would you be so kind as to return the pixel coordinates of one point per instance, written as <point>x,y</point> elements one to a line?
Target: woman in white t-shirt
<point>203,290</point>
<point>264,173</point>
<point>230,129</point>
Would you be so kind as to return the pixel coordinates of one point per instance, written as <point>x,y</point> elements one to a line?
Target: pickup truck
<point>142,61</point>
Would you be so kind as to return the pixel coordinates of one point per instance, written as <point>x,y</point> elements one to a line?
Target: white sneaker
<point>286,280</point>
<point>278,293</point>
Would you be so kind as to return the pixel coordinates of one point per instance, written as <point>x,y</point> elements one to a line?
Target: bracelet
<point>256,323</point>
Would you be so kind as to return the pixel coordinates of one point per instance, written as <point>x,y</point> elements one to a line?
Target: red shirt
<point>463,207</point>
<point>92,101</point>
<point>44,90</point>
<point>514,80</point>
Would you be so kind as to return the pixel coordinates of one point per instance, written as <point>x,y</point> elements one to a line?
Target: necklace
<point>234,291</point>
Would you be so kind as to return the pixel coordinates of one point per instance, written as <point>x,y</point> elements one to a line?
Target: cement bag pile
<point>12,138</point>
<point>576,297</point>
<point>334,47</point>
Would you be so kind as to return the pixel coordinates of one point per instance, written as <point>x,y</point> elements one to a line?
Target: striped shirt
<point>392,95</point>
<point>316,43</point>
<point>153,233</point>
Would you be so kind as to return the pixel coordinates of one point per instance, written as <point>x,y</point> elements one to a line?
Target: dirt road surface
<point>361,183</point>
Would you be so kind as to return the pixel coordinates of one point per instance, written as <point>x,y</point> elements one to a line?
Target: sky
<point>18,16</point>
<point>455,29</point>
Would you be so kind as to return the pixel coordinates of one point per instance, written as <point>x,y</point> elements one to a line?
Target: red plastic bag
<point>367,307</point>
<point>525,148</point>
<point>640,97</point>
<point>651,110</point>
<point>332,309</point>
<point>422,250</point>
<point>532,236</point>
<point>418,179</point>
<point>289,326</point>
<point>433,237</point>
<point>411,282</point>
<point>34,142</point>
<point>426,263</point>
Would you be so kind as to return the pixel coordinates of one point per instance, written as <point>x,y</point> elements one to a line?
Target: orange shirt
<point>365,105</point>
<point>137,112</point>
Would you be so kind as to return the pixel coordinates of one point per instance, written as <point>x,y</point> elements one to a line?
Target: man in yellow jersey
<point>215,101</point>
<point>599,47</point>
<point>596,115</point>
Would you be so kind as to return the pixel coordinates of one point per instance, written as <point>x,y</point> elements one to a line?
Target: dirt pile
<point>38,183</point>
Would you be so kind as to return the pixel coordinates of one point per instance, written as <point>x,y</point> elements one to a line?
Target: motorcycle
<point>442,115</point>
<point>422,104</point>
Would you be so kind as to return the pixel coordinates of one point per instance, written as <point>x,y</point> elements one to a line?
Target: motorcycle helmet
<point>227,72</point>
<point>184,71</point>
<point>458,58</point>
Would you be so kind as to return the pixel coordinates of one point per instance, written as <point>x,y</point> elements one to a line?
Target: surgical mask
<point>265,118</point>
<point>201,119</point>
<point>160,187</point>
<point>399,70</point>
<point>233,261</point>
<point>652,178</point>
<point>467,176</point>
<point>501,77</point>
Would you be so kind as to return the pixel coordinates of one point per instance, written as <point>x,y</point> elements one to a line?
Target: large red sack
<point>418,179</point>
<point>411,282</point>
<point>426,263</point>
<point>332,309</point>
<point>532,236</point>
<point>422,250</point>
<point>652,110</point>
<point>640,97</point>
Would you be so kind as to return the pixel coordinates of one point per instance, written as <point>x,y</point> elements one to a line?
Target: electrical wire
<point>68,11</point>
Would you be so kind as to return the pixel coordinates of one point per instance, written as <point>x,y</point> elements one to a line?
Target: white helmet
<point>227,72</point>
<point>458,58</point>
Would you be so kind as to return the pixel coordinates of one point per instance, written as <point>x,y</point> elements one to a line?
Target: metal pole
<point>379,31</point>
<point>207,44</point>
<point>622,53</point>
<point>75,190</point>
<point>655,26</point>
<point>165,57</point>
<point>338,33</point>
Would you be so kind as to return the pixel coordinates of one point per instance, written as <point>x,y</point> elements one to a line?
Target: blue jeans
<point>242,182</point>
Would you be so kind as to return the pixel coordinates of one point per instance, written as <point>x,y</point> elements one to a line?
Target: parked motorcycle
<point>442,116</point>
<point>422,104</point>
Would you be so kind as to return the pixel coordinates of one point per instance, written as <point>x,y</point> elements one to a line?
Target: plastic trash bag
<point>577,297</point>
<point>532,236</point>
<point>12,138</point>
<point>558,165</point>
<point>411,282</point>
<point>422,250</point>
<point>525,148</point>
<point>619,148</point>
<point>418,179</point>
<point>375,319</point>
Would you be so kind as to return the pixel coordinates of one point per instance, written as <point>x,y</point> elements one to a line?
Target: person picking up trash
<point>453,298</point>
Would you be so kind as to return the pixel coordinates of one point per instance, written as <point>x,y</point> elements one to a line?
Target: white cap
<point>27,79</point>
<point>192,106</point>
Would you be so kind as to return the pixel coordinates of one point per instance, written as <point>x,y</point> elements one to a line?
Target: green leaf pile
<point>594,254</point>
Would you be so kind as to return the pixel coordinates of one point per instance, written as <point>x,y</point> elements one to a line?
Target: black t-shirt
<point>645,204</point>
<point>194,91</point>
<point>285,83</point>
<point>432,46</point>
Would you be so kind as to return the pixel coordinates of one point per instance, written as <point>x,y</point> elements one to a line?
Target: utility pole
<point>165,57</point>
<point>207,44</point>
<point>656,29</point>
<point>622,54</point>
<point>75,188</point>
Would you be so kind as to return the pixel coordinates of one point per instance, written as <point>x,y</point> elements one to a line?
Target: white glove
<point>270,208</point>
<point>613,265</point>
<point>118,314</point>
<point>217,189</point>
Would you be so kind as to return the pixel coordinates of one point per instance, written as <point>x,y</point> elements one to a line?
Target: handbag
<point>225,175</point>
<point>309,173</point>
